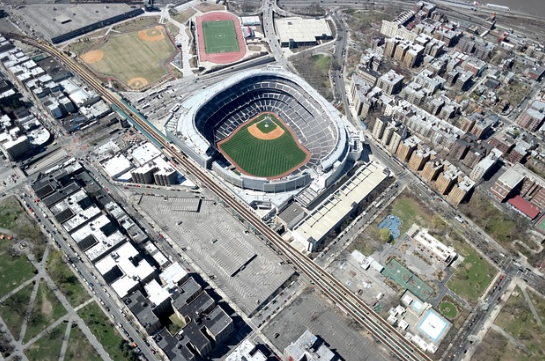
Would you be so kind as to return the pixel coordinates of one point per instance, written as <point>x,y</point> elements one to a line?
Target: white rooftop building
<point>156,293</point>
<point>157,255</point>
<point>98,238</point>
<point>124,258</point>
<point>117,165</point>
<point>173,275</point>
<point>431,245</point>
<point>144,153</point>
<point>297,31</point>
<point>75,210</point>
<point>246,351</point>
<point>333,210</point>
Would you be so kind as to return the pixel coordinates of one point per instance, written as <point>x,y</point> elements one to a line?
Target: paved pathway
<point>71,315</point>
<point>531,305</point>
<point>510,338</point>
<point>65,339</point>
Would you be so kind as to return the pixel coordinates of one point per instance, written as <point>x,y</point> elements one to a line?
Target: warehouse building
<point>295,32</point>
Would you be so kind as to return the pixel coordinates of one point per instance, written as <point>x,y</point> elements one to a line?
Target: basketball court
<point>406,279</point>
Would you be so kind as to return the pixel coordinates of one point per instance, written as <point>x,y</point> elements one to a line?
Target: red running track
<point>220,58</point>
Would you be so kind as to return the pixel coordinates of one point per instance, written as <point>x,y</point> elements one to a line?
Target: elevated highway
<point>381,330</point>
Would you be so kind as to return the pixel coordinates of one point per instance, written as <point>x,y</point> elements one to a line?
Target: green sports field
<point>406,279</point>
<point>133,60</point>
<point>268,158</point>
<point>220,37</point>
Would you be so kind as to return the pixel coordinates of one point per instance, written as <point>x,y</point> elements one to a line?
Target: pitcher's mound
<point>93,56</point>
<point>138,83</point>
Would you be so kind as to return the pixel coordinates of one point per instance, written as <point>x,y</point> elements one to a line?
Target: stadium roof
<point>524,206</point>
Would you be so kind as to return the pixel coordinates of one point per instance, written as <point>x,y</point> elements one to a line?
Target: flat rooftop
<point>57,19</point>
<point>144,153</point>
<point>103,242</point>
<point>124,258</point>
<point>333,210</point>
<point>433,325</point>
<point>302,30</point>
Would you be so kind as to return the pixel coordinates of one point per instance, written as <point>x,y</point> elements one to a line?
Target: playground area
<point>406,279</point>
<point>393,223</point>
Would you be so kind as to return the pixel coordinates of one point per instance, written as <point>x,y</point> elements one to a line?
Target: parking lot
<point>239,263</point>
<point>310,311</point>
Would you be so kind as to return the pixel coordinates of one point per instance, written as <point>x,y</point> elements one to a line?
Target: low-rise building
<point>431,245</point>
<point>308,348</point>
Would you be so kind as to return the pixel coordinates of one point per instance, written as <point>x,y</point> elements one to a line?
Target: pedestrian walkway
<point>70,317</point>
<point>531,305</point>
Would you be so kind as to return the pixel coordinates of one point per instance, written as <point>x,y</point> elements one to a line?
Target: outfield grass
<point>126,56</point>
<point>472,276</point>
<point>48,348</point>
<point>263,158</point>
<point>79,348</point>
<point>448,310</point>
<point>45,311</point>
<point>65,279</point>
<point>137,24</point>
<point>13,310</point>
<point>517,319</point>
<point>220,37</point>
<point>103,330</point>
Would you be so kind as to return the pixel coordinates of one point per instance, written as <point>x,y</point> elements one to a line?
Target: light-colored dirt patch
<point>47,307</point>
<point>93,56</point>
<point>138,83</point>
<point>254,130</point>
<point>205,7</point>
<point>154,34</point>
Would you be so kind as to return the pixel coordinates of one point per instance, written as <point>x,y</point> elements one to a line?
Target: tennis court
<point>406,279</point>
<point>220,36</point>
<point>540,225</point>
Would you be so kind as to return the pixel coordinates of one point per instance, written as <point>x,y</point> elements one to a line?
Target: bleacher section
<point>232,107</point>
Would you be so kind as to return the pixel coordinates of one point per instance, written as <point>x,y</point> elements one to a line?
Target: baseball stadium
<point>266,130</point>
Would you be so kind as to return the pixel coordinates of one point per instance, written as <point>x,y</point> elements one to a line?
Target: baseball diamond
<point>270,150</point>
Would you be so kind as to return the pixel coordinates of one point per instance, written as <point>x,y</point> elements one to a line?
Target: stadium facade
<point>217,111</point>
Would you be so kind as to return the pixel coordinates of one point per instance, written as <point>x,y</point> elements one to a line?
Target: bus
<point>175,108</point>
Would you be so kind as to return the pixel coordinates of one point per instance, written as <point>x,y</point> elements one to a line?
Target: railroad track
<point>382,331</point>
